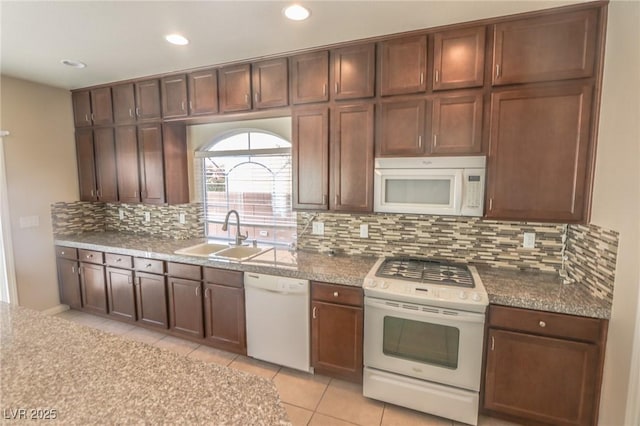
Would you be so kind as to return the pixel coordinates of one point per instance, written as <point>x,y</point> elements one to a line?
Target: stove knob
<point>476,297</point>
<point>384,285</point>
<point>462,295</point>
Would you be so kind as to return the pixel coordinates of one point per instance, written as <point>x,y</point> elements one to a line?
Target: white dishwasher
<point>277,311</point>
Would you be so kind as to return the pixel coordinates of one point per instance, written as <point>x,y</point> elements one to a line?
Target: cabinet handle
<point>435,140</point>
<point>256,96</point>
<point>182,105</point>
<point>337,199</point>
<point>138,111</point>
<point>99,193</point>
<point>89,256</point>
<point>73,269</point>
<point>93,193</point>
<point>493,343</point>
<point>336,294</point>
<point>324,199</point>
<point>422,77</point>
<point>129,279</point>
<point>542,324</point>
<point>196,291</point>
<point>420,141</point>
<point>336,88</point>
<point>135,193</point>
<point>148,265</point>
<point>119,259</point>
<point>324,89</point>
<point>497,70</point>
<point>86,118</point>
<point>62,253</point>
<point>490,203</point>
<point>315,310</point>
<point>191,105</point>
<point>93,118</point>
<point>130,113</point>
<point>246,98</point>
<point>206,293</point>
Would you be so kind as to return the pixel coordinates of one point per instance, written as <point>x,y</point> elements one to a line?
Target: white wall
<point>40,169</point>
<point>616,200</point>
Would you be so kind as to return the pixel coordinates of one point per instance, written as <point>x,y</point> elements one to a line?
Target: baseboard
<point>56,309</point>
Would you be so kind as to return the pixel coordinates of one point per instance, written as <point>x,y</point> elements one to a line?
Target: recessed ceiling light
<point>296,12</point>
<point>73,64</point>
<point>177,39</point>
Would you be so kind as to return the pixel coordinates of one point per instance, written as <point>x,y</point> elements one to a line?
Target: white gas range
<point>424,326</point>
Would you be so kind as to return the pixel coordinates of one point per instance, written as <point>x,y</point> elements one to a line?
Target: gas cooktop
<point>426,271</point>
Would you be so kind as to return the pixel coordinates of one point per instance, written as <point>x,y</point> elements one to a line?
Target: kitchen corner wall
<point>80,216</point>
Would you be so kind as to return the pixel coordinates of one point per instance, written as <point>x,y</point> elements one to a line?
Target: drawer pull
<point>149,265</point>
<point>89,256</point>
<point>493,343</point>
<point>336,294</point>
<point>62,253</point>
<point>119,259</point>
<point>542,324</point>
<point>315,309</point>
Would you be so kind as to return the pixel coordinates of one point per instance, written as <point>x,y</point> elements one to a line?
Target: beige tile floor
<point>312,400</point>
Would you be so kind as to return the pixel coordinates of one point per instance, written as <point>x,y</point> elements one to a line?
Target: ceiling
<point>119,40</point>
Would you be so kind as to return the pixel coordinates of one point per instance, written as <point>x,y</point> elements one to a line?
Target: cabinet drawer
<point>67,252</point>
<point>118,260</point>
<point>335,293</point>
<point>224,277</point>
<point>149,265</point>
<point>91,256</point>
<point>546,323</point>
<point>181,270</point>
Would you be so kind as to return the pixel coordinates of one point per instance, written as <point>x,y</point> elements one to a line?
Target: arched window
<point>249,171</point>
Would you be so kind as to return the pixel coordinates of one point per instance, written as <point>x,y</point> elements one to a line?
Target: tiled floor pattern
<point>312,400</point>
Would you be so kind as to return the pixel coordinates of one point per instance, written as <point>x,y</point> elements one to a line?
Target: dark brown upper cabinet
<point>86,165</point>
<point>174,96</point>
<point>105,161</point>
<point>353,74</point>
<point>127,160</point>
<point>540,158</point>
<point>235,88</point>
<point>81,108</point>
<point>458,58</point>
<point>270,83</point>
<point>203,92</point>
<point>310,156</point>
<point>174,146</point>
<point>151,163</point>
<point>554,47</point>
<point>351,163</point>
<point>457,124</point>
<point>309,74</point>
<point>403,66</point>
<point>401,128</point>
<point>148,99</point>
<point>101,106</point>
<point>124,103</point>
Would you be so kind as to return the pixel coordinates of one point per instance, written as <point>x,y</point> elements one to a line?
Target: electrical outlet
<point>147,216</point>
<point>318,228</point>
<point>364,230</point>
<point>263,233</point>
<point>182,218</point>
<point>121,214</point>
<point>529,240</point>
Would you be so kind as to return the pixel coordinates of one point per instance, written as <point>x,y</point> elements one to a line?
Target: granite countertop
<point>510,287</point>
<point>90,376</point>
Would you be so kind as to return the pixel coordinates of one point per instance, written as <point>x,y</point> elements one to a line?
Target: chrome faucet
<point>239,237</point>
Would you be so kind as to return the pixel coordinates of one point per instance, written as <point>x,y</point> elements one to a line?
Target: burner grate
<point>426,271</point>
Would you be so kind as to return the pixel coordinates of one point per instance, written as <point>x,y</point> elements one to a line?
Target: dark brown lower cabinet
<point>69,282</point>
<point>151,299</point>
<point>224,316</point>
<point>543,368</point>
<point>93,287</point>
<point>336,331</point>
<point>185,306</point>
<point>121,293</point>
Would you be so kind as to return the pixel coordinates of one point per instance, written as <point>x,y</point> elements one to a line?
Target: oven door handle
<point>443,314</point>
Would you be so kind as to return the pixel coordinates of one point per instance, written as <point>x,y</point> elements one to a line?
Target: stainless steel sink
<point>240,253</point>
<point>203,249</point>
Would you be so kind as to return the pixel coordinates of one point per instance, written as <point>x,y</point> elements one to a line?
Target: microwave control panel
<point>474,191</point>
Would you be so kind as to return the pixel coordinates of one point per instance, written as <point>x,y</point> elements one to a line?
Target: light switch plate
<point>121,214</point>
<point>529,240</point>
<point>182,218</point>
<point>147,216</point>
<point>318,228</point>
<point>364,230</point>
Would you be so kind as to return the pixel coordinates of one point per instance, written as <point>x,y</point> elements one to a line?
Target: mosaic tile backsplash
<point>80,216</point>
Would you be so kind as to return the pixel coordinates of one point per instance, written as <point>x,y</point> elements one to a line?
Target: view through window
<point>249,171</point>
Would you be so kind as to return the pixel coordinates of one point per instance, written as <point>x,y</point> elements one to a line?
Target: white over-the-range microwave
<point>430,185</point>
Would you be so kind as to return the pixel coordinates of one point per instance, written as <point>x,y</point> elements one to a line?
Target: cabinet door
<point>151,299</point>
<point>69,282</point>
<point>401,128</point>
<point>174,146</point>
<point>336,340</point>
<point>121,293</point>
<point>353,73</point>
<point>124,103</point>
<point>310,152</point>
<point>458,58</point>
<point>309,77</point>
<point>351,152</point>
<point>151,163</point>
<point>94,290</point>
<point>203,92</point>
<point>539,154</point>
<point>127,160</point>
<point>148,99</point>
<point>403,66</point>
<point>554,47</point>
<point>540,378</point>
<point>235,88</point>
<point>457,124</point>
<point>225,317</point>
<point>270,83</point>
<point>81,108</point>
<point>185,306</point>
<point>105,157</point>
<point>86,165</point>
<point>174,96</point>
<point>101,106</point>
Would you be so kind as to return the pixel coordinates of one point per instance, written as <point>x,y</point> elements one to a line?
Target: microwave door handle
<point>457,191</point>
